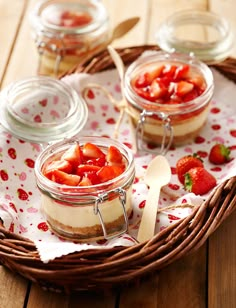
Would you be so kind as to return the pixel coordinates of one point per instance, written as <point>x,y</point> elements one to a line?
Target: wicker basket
<point>99,269</point>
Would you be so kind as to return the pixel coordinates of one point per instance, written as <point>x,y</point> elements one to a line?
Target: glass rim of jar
<point>61,146</point>
<point>99,18</point>
<point>170,109</point>
<point>42,132</point>
<point>210,52</point>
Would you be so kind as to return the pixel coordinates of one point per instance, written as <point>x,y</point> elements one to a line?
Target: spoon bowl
<point>123,27</point>
<point>157,175</point>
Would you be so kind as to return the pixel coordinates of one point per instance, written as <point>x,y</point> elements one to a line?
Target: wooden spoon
<point>123,27</point>
<point>157,175</point>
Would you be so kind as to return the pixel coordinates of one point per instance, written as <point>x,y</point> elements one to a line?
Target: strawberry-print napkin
<point>20,198</point>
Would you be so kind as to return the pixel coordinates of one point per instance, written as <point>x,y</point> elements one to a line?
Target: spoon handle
<point>148,221</point>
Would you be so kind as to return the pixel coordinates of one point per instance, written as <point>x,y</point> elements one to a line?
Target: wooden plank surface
<point>13,289</point>
<point>206,278</point>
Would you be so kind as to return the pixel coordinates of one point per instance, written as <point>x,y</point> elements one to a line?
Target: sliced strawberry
<point>93,177</point>
<point>100,161</point>
<point>144,93</point>
<point>114,155</point>
<point>61,165</point>
<point>118,169</point>
<point>82,169</point>
<point>85,182</point>
<point>73,19</point>
<point>106,173</point>
<point>169,70</point>
<point>61,177</point>
<point>197,81</point>
<point>157,89</point>
<point>73,155</point>
<point>90,150</point>
<point>191,95</point>
<point>181,72</point>
<point>183,87</point>
<point>146,78</point>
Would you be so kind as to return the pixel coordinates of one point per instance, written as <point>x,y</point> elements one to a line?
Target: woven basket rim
<point>98,269</point>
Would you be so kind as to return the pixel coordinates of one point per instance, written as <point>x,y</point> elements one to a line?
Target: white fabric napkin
<point>20,198</point>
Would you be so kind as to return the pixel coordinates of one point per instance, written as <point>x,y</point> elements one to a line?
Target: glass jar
<point>66,32</point>
<point>42,110</point>
<point>203,34</point>
<point>168,122</point>
<point>86,213</point>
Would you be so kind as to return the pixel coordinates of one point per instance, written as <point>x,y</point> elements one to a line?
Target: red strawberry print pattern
<point>4,175</point>
<point>29,162</point>
<point>43,226</point>
<point>22,194</point>
<point>12,153</point>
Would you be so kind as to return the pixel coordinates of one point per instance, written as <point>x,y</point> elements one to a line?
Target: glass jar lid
<point>212,43</point>
<point>42,110</point>
<point>64,17</point>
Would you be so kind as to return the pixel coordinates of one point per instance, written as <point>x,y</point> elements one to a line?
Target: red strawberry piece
<point>29,162</point>
<point>90,150</point>
<point>191,95</point>
<point>4,175</point>
<point>157,90</point>
<point>145,79</point>
<point>114,155</point>
<point>73,155</point>
<point>100,161</point>
<point>199,181</point>
<point>83,169</point>
<point>93,177</point>
<point>85,182</point>
<point>106,173</point>
<point>219,154</point>
<point>62,165</point>
<point>12,153</point>
<point>22,194</point>
<point>185,163</point>
<point>71,19</point>
<point>169,70</point>
<point>118,169</point>
<point>61,177</point>
<point>197,81</point>
<point>183,87</point>
<point>181,72</point>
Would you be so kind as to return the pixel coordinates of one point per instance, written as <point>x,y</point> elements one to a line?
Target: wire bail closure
<point>59,52</point>
<point>167,131</point>
<point>122,198</point>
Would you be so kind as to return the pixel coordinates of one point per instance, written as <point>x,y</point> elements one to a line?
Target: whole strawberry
<point>185,163</point>
<point>219,154</point>
<point>199,181</point>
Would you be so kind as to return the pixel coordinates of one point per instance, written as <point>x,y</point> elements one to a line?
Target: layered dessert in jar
<point>168,90</point>
<point>86,187</point>
<point>68,32</point>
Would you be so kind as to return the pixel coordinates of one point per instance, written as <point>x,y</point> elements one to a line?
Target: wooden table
<point>206,278</point>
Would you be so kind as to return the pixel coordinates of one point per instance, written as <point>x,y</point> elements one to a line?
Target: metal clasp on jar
<point>122,198</point>
<point>167,137</point>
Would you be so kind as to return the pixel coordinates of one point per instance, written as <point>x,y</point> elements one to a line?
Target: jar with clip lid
<point>85,182</point>
<point>66,32</point>
<point>168,92</point>
<point>86,187</point>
